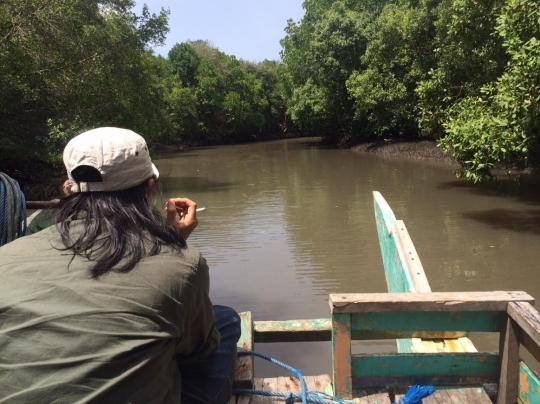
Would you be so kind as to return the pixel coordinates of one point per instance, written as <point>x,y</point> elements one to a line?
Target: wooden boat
<point>430,329</point>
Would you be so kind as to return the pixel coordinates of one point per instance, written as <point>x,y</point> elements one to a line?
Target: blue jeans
<point>211,382</point>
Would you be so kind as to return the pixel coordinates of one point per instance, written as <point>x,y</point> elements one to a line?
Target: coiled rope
<point>12,210</point>
<point>413,396</point>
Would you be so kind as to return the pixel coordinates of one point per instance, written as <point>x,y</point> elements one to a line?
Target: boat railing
<point>431,331</point>
<point>403,314</point>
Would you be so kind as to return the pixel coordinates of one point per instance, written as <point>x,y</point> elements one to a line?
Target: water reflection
<point>289,222</point>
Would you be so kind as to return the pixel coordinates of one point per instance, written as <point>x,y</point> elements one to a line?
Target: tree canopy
<point>70,65</point>
<point>461,71</point>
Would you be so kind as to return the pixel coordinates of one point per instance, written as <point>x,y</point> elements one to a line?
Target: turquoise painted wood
<point>397,277</point>
<point>529,385</point>
<point>427,321</point>
<point>463,368</point>
<point>395,267</point>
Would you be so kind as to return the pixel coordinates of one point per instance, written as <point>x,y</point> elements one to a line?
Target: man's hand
<point>186,209</point>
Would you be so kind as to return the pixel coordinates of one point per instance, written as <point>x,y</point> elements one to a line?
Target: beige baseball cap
<point>120,155</point>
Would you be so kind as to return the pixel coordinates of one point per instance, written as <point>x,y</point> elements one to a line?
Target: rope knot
<point>290,398</point>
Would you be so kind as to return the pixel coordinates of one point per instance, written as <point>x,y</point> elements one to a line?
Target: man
<point>111,305</point>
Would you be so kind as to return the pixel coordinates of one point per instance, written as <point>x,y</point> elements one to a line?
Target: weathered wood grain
<point>319,329</point>
<point>509,363</point>
<point>413,263</point>
<point>435,301</point>
<point>341,355</point>
<point>284,384</point>
<point>442,395</point>
<point>528,319</point>
<point>245,366</point>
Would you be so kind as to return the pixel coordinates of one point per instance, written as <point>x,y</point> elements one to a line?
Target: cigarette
<point>201,209</point>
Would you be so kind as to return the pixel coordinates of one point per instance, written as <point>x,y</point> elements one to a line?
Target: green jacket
<point>67,338</point>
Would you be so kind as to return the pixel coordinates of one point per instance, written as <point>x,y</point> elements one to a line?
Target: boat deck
<point>286,384</point>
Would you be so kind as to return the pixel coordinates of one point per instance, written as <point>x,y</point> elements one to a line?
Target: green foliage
<point>320,53</point>
<point>227,100</point>
<point>59,134</point>
<point>467,56</point>
<point>397,57</point>
<point>503,123</point>
<point>184,62</point>
<point>462,71</point>
<point>70,65</point>
<point>69,61</point>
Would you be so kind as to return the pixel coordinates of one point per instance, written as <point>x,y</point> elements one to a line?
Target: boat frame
<point>431,331</point>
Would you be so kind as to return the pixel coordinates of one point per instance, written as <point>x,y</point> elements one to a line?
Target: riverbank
<point>426,150</point>
<point>40,180</point>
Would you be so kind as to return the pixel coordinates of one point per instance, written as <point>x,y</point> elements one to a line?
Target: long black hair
<point>119,228</point>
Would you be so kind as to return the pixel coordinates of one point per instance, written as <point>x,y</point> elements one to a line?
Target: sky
<point>247,29</point>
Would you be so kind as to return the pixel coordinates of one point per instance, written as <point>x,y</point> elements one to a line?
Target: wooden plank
<point>529,385</point>
<point>528,319</point>
<point>509,363</point>
<point>464,395</point>
<point>441,301</point>
<point>319,329</point>
<point>442,395</point>
<point>397,276</point>
<point>413,263</point>
<point>426,365</point>
<point>267,384</point>
<point>285,385</point>
<point>341,355</point>
<point>411,322</point>
<point>245,367</point>
<point>43,204</point>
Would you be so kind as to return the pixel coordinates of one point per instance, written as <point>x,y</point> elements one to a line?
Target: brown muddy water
<point>288,222</point>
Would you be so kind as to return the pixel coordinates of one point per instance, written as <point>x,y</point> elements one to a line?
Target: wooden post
<point>341,355</point>
<point>245,365</point>
<point>509,362</point>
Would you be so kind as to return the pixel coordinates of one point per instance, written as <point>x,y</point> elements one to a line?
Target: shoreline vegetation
<point>42,181</point>
<point>403,72</point>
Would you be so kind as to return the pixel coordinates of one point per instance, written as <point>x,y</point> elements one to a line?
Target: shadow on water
<point>196,184</point>
<point>315,144</point>
<point>519,221</point>
<point>187,152</point>
<point>527,190</point>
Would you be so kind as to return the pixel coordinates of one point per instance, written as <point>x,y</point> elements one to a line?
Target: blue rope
<point>413,396</point>
<point>13,222</point>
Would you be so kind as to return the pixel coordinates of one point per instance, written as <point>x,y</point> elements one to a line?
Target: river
<point>288,222</point>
